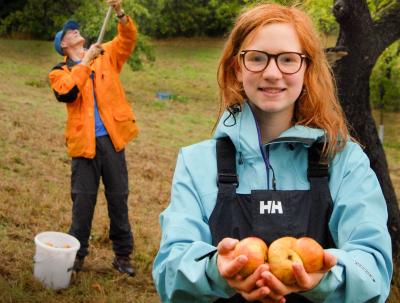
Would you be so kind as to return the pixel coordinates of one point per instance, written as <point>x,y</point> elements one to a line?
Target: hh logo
<point>271,207</point>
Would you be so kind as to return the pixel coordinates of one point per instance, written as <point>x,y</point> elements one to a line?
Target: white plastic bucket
<point>54,258</point>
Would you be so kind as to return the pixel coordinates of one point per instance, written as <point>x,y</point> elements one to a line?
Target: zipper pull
<point>240,158</point>
<point>273,178</point>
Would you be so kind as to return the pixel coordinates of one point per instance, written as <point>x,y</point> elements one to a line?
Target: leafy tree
<point>385,79</point>
<point>91,15</point>
<point>178,18</point>
<point>37,17</point>
<point>221,15</point>
<point>42,18</point>
<point>8,6</point>
<point>172,18</point>
<point>321,13</point>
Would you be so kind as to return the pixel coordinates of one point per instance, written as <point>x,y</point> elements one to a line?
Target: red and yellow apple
<point>284,251</point>
<point>256,252</point>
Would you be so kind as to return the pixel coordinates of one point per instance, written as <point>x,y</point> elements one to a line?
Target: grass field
<point>35,170</point>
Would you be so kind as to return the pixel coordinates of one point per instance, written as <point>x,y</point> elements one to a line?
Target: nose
<point>272,71</point>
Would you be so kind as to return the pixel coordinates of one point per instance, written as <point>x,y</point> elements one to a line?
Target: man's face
<point>72,38</point>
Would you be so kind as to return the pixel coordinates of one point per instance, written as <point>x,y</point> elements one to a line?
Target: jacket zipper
<point>263,153</point>
<point>270,166</point>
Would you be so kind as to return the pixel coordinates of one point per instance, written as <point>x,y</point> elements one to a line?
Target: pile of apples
<point>281,254</point>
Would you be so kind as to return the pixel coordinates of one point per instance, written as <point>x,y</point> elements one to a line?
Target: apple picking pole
<point>103,28</point>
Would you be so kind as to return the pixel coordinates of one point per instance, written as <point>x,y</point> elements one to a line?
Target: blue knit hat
<point>70,24</point>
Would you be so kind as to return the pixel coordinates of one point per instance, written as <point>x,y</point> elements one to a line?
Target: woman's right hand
<point>229,267</point>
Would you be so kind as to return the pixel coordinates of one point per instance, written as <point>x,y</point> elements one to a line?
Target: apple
<point>311,253</point>
<point>256,252</point>
<point>285,251</point>
<point>281,257</point>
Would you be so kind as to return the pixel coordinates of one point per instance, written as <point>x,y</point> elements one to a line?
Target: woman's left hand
<point>305,281</point>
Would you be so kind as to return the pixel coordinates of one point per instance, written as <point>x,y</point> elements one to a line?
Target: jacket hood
<point>243,130</point>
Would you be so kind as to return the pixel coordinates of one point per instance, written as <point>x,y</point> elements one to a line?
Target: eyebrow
<point>275,53</point>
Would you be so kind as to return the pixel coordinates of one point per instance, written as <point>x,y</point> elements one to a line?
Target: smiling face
<point>72,38</point>
<point>270,92</point>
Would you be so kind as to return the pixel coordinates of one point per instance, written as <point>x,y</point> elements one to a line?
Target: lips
<point>272,90</point>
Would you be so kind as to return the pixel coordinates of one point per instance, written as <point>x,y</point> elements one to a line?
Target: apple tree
<point>365,36</point>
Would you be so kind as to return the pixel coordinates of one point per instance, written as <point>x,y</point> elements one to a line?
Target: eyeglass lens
<point>256,61</point>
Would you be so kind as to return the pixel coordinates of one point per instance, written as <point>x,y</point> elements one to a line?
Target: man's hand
<point>91,54</point>
<point>229,267</point>
<point>116,5</point>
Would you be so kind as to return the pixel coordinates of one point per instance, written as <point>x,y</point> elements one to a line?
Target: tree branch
<point>349,14</point>
<point>387,26</point>
<point>340,10</point>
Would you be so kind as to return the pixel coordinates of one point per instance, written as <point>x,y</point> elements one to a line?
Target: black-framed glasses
<point>257,61</point>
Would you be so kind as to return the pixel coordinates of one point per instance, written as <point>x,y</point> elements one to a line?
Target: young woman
<point>281,164</point>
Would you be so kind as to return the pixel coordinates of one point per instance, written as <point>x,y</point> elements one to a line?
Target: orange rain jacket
<point>74,86</point>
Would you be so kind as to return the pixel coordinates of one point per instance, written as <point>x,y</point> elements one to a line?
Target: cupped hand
<point>304,281</point>
<point>229,267</point>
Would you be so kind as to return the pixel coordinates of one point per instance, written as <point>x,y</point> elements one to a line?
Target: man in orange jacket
<point>100,123</point>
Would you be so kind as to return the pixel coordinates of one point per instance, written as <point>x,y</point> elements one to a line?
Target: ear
<point>239,75</point>
<point>63,44</point>
<point>238,72</point>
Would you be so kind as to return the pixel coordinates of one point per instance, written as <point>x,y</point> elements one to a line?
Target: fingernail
<point>242,259</point>
<point>233,243</point>
<point>264,267</point>
<point>265,291</point>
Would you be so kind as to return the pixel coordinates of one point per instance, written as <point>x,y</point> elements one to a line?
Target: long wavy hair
<point>318,105</point>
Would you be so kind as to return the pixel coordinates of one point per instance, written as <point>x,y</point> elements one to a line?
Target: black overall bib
<point>271,214</point>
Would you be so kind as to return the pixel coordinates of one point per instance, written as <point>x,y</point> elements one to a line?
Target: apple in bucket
<point>256,252</point>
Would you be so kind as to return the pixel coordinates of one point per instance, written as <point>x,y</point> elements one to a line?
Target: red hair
<point>318,106</point>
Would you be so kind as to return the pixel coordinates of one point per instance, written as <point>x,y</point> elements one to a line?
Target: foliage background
<point>161,19</point>
<point>34,195</point>
<point>35,169</point>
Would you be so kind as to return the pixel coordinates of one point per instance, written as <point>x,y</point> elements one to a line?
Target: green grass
<point>35,170</point>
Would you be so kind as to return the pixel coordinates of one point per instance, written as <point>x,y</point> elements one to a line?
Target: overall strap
<point>317,166</point>
<point>227,181</point>
<point>318,176</point>
<point>226,163</point>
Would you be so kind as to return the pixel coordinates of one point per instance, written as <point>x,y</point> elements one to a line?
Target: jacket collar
<point>241,127</point>
<point>70,63</point>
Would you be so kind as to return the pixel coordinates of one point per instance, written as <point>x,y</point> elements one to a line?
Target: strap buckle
<point>227,178</point>
<point>318,170</point>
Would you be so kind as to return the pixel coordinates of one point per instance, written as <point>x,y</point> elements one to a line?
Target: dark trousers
<point>85,179</point>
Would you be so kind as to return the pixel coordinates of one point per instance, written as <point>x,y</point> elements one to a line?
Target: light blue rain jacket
<point>357,225</point>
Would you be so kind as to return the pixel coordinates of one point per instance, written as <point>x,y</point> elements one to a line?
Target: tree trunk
<point>365,40</point>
